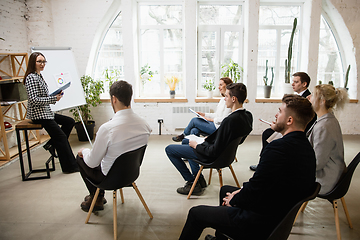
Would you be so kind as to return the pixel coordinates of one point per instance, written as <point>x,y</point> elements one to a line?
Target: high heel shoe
<point>51,149</point>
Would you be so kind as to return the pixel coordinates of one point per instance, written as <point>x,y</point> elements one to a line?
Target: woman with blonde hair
<point>325,135</point>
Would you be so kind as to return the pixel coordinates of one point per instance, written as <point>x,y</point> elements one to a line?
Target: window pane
<point>329,62</point>
<point>160,15</point>
<point>219,14</point>
<point>267,51</point>
<point>278,15</point>
<point>231,46</point>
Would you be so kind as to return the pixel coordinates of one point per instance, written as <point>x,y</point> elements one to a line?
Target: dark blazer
<point>306,93</point>
<point>284,176</point>
<point>237,124</point>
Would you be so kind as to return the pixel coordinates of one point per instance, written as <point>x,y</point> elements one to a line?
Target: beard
<point>278,127</point>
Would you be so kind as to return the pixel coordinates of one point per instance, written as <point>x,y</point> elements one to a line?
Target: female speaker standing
<point>39,112</point>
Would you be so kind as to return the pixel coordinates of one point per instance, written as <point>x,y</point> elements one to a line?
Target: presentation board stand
<point>82,121</point>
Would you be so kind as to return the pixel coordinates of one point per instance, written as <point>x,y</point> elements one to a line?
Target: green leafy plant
<point>146,73</point>
<point>288,60</point>
<point>92,91</point>
<point>331,83</point>
<point>347,77</point>
<point>232,70</point>
<point>265,78</point>
<point>111,76</point>
<point>209,85</point>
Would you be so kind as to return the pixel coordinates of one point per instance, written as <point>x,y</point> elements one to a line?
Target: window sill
<point>160,100</point>
<point>278,100</point>
<point>204,100</point>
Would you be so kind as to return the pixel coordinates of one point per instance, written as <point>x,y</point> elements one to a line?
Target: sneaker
<point>99,205</point>
<point>253,167</point>
<point>178,138</point>
<point>186,189</point>
<point>88,196</point>
<point>202,181</point>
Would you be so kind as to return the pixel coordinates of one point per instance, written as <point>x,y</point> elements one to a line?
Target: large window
<point>161,48</point>
<point>111,54</point>
<point>220,38</point>
<point>275,27</point>
<point>330,68</point>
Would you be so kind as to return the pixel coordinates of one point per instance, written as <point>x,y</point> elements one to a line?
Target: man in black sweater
<point>285,175</point>
<point>237,124</point>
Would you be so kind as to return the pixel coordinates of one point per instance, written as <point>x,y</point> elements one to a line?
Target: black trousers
<point>94,174</point>
<point>217,217</point>
<point>59,139</point>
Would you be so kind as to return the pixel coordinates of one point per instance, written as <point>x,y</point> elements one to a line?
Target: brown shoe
<point>88,196</point>
<point>99,204</point>
<point>178,138</point>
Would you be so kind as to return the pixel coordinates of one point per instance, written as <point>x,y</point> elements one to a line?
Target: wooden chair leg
<point>233,173</point>
<point>195,181</point>
<point>142,200</point>
<point>304,206</point>
<point>236,159</point>
<point>121,195</point>
<point>92,205</point>
<point>346,212</point>
<point>220,177</point>
<point>210,176</point>
<point>336,215</point>
<point>115,214</point>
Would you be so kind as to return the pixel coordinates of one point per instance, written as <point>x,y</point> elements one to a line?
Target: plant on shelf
<point>265,78</point>
<point>172,82</point>
<point>347,77</point>
<point>111,76</point>
<point>146,74</point>
<point>92,90</point>
<point>288,60</point>
<point>232,70</point>
<point>209,85</point>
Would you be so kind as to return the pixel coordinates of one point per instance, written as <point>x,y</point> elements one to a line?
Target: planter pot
<point>172,94</point>
<point>287,88</point>
<point>267,91</point>
<point>81,132</point>
<point>209,94</point>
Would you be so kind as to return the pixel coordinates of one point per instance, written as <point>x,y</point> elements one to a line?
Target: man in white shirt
<point>125,132</point>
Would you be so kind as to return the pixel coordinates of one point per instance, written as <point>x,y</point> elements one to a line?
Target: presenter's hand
<point>59,96</point>
<point>192,144</point>
<point>80,152</point>
<point>229,196</point>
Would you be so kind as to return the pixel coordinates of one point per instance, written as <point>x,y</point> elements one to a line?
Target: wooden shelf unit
<point>17,68</point>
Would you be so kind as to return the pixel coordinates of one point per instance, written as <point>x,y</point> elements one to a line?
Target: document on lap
<point>57,91</point>
<point>195,138</point>
<point>198,114</point>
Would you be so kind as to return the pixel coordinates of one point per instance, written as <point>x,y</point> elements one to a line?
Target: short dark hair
<point>238,90</point>
<point>304,77</point>
<point>300,109</point>
<point>122,90</point>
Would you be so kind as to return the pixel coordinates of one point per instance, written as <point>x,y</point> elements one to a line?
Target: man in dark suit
<point>285,175</point>
<point>300,84</point>
<point>237,124</point>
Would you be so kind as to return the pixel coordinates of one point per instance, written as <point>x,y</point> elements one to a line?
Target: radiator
<point>181,115</point>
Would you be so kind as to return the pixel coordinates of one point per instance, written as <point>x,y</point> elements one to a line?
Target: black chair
<point>224,160</point>
<point>123,173</point>
<point>338,192</point>
<point>283,229</point>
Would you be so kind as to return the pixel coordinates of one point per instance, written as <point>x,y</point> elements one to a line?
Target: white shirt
<point>221,112</point>
<point>125,132</point>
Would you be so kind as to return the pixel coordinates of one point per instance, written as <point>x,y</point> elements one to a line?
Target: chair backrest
<point>343,184</point>
<point>226,157</point>
<point>124,171</point>
<point>283,229</point>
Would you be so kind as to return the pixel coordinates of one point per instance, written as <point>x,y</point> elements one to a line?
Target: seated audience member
<point>198,125</point>
<point>300,84</point>
<point>237,124</point>
<point>325,136</point>
<point>125,132</point>
<point>285,175</point>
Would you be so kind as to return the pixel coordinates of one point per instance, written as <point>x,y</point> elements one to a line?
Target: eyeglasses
<point>42,62</point>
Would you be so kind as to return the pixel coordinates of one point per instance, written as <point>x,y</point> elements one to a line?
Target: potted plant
<point>288,87</point>
<point>111,76</point>
<point>210,87</point>
<point>267,87</point>
<point>171,82</point>
<point>232,70</point>
<point>92,91</point>
<point>146,74</point>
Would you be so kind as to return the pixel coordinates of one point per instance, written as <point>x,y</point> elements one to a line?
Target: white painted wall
<point>79,24</point>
